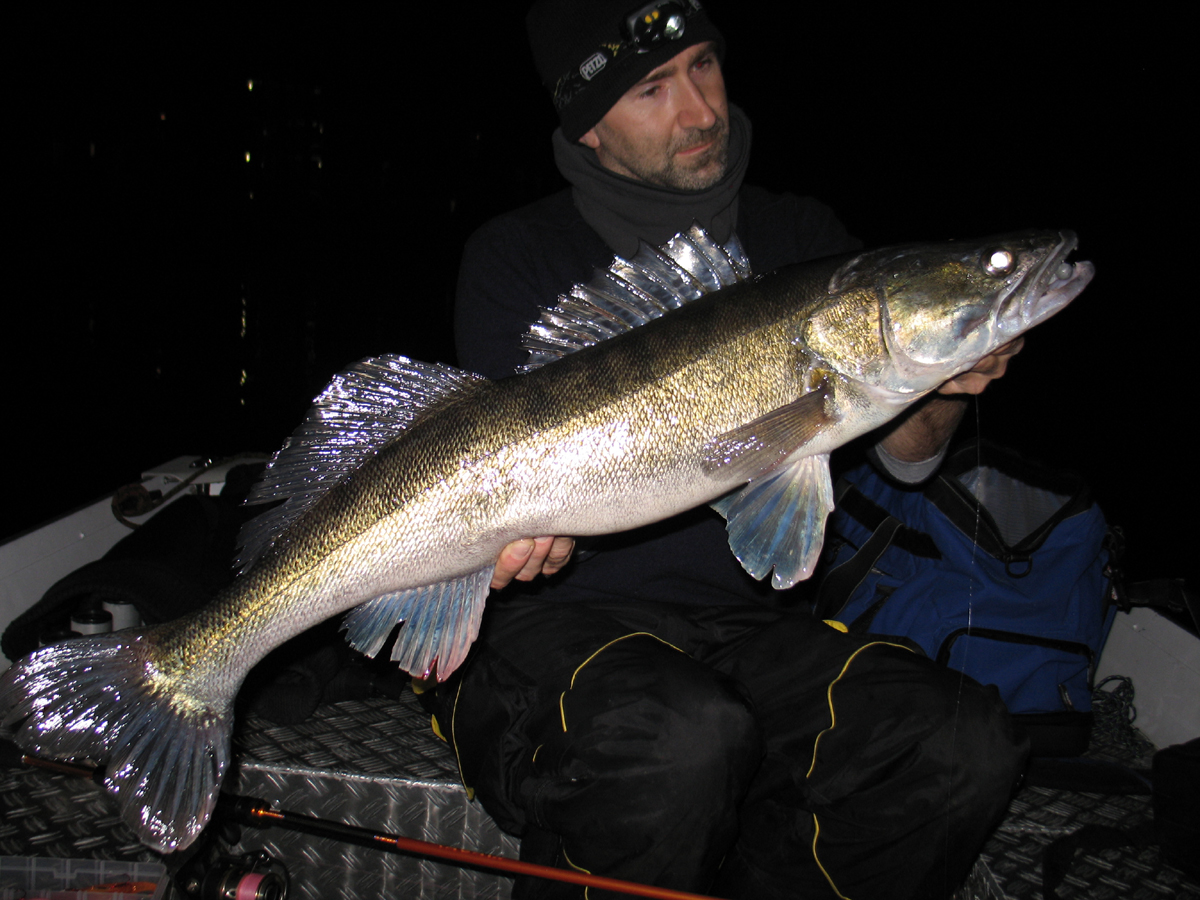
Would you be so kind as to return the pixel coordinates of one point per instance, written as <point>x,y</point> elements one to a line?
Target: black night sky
<point>155,265</point>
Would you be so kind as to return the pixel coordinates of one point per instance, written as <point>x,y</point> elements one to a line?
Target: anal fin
<point>441,621</point>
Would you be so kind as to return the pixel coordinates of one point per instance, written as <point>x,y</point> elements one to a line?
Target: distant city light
<point>250,84</point>
<point>247,156</point>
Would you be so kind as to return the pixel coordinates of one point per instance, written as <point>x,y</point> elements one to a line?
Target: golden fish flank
<point>406,479</point>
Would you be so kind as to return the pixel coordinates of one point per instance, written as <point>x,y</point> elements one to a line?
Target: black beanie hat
<point>587,60</point>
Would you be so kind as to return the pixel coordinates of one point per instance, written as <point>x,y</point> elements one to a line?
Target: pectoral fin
<point>441,621</point>
<point>755,448</point>
<point>779,520</point>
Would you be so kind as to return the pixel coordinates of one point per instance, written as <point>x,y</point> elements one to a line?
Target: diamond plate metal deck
<point>1010,866</point>
<point>64,817</point>
<point>373,763</point>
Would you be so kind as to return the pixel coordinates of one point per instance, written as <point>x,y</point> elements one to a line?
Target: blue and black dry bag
<point>996,567</point>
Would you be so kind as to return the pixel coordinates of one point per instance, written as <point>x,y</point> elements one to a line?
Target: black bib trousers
<point>734,750</point>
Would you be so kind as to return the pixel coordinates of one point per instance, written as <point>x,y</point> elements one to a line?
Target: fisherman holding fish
<point>649,713</point>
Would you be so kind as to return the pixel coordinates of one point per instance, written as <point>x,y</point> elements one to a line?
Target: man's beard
<point>695,173</point>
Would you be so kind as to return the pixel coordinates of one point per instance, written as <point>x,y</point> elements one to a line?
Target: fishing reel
<point>248,877</point>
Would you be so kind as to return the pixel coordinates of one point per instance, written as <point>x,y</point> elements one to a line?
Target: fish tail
<point>103,699</point>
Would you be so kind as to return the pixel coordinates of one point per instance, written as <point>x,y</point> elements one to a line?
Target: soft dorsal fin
<point>357,413</point>
<point>631,292</point>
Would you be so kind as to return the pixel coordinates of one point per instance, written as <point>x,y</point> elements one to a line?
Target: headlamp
<point>658,21</point>
<point>590,52</point>
<point>646,28</point>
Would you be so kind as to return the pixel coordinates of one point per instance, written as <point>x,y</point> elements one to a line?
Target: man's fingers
<point>560,553</point>
<point>533,565</point>
<point>525,559</point>
<point>511,561</point>
<point>991,367</point>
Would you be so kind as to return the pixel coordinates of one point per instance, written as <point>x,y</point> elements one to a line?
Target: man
<point>650,713</point>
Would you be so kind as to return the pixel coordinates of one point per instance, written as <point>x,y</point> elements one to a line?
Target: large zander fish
<point>406,479</point>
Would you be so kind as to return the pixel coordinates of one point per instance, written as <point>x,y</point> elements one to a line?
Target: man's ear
<point>589,139</point>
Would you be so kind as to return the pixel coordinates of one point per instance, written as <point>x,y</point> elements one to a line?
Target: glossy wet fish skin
<point>505,461</point>
<point>624,433</point>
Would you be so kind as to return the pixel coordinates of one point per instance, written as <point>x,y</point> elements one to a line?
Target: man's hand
<point>525,558</point>
<point>987,369</point>
<point>924,431</point>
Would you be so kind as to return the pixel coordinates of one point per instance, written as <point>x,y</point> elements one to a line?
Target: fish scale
<point>406,479</point>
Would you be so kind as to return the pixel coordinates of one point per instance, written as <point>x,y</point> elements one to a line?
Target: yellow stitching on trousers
<point>561,711</point>
<point>816,743</point>
<point>817,859</point>
<point>586,895</point>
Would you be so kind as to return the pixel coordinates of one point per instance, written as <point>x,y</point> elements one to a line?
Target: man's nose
<point>695,111</point>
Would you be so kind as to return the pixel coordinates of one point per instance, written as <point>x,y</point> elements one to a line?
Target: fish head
<point>925,313</point>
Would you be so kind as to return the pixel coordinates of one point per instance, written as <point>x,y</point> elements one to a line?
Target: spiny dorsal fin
<point>359,411</point>
<point>630,293</point>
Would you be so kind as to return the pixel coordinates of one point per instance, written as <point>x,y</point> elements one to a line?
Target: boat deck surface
<point>52,815</point>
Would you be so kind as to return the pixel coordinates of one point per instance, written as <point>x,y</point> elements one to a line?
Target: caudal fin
<point>102,699</point>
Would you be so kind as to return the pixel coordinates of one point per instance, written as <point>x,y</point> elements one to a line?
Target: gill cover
<point>943,307</point>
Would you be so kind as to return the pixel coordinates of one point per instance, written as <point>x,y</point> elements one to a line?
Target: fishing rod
<point>251,811</point>
<point>261,814</point>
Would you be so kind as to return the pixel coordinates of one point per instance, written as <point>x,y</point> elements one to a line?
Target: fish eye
<point>999,262</point>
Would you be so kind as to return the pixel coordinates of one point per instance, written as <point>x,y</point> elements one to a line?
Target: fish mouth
<point>1040,283</point>
<point>1045,291</point>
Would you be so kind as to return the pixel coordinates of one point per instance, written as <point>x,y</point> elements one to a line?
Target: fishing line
<point>970,609</point>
